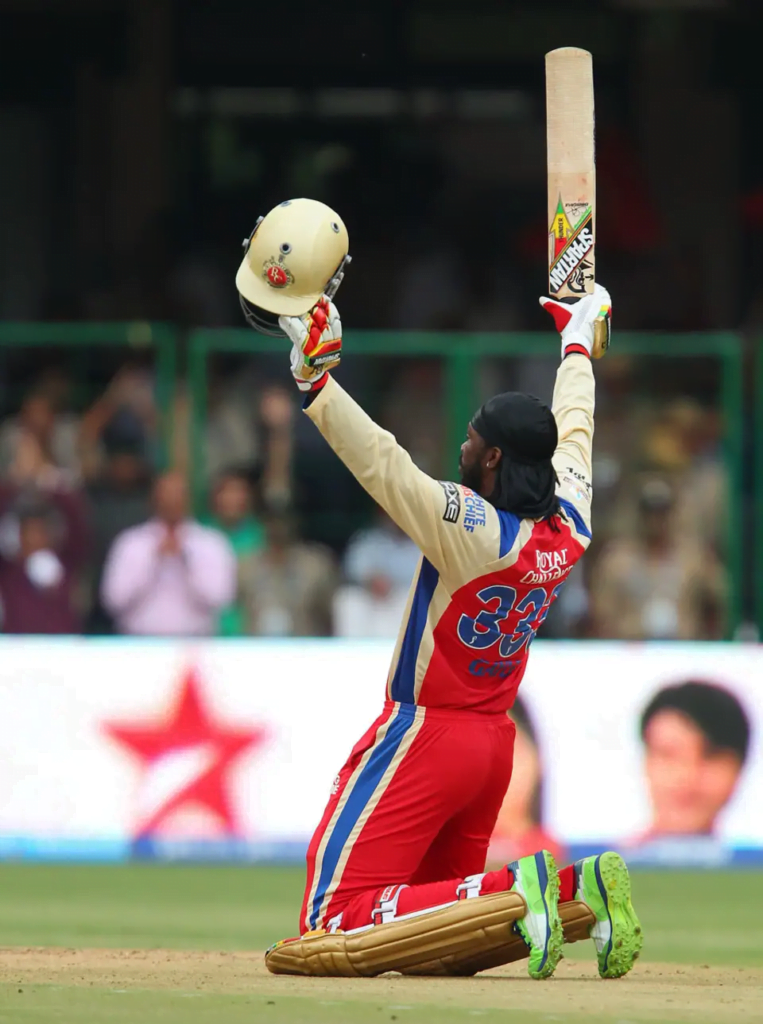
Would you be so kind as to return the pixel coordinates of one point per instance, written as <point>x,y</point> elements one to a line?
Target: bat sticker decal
<point>568,248</point>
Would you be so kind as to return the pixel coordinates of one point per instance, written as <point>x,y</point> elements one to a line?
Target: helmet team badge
<point>276,274</point>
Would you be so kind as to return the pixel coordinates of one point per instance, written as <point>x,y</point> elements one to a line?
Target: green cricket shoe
<point>537,882</point>
<point>604,884</point>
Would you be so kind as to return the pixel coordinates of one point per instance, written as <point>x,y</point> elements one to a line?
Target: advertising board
<point>228,749</point>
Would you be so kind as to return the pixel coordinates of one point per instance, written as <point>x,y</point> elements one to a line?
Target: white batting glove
<point>316,339</point>
<point>585,325</point>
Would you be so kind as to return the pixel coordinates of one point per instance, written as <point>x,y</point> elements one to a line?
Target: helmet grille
<point>260,319</point>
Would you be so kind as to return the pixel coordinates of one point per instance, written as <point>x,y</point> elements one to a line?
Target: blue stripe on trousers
<point>364,788</point>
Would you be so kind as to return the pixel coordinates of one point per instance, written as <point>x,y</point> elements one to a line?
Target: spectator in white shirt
<point>379,566</point>
<point>170,576</point>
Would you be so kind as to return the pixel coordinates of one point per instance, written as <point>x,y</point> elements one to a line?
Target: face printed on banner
<point>690,780</point>
<point>520,810</point>
<point>519,830</point>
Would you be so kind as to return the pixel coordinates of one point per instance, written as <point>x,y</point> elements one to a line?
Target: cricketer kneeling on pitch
<point>395,869</point>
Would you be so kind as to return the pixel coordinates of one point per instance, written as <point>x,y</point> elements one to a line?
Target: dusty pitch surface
<point>652,992</point>
<point>133,944</point>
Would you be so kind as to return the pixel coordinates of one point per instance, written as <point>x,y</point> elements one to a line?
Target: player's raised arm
<point>574,393</point>
<point>293,264</point>
<point>449,523</point>
<point>294,261</point>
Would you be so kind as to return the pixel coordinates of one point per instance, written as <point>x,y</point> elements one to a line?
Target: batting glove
<point>316,346</point>
<point>585,325</point>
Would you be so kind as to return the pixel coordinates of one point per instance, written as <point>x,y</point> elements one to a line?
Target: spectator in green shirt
<point>232,513</point>
<point>233,505</point>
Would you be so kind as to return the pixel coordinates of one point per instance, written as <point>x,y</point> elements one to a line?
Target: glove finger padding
<point>585,325</point>
<point>316,343</point>
<point>561,313</point>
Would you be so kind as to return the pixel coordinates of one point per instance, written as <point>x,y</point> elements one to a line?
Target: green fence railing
<point>138,336</point>
<point>461,352</point>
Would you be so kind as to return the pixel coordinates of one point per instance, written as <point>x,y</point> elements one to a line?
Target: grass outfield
<point>702,961</point>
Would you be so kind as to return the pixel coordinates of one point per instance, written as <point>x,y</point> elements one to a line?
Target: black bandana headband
<point>524,429</point>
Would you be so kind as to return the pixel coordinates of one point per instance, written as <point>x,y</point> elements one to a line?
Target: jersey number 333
<point>501,605</point>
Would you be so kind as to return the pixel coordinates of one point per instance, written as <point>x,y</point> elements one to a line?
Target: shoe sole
<point>548,880</point>
<point>624,946</point>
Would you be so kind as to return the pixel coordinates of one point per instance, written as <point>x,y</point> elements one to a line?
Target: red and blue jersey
<point>486,579</point>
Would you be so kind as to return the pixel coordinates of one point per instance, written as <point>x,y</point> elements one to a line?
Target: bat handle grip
<point>600,337</point>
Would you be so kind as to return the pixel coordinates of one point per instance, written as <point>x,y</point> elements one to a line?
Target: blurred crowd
<point>98,537</point>
<point>429,138</point>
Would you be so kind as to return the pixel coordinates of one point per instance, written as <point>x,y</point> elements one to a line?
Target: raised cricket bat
<point>571,179</point>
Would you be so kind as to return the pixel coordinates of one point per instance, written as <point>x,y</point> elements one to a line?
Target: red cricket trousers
<point>414,806</point>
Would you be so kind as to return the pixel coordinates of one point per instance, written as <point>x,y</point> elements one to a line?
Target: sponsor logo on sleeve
<point>474,511</point>
<point>577,480</point>
<point>452,501</point>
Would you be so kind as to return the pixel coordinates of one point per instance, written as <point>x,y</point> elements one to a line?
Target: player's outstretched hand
<point>316,345</point>
<point>585,325</point>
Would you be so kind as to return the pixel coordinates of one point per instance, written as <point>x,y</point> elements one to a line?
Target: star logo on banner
<point>186,758</point>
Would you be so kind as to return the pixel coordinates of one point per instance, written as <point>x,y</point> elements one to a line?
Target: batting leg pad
<point>577,919</point>
<point>426,942</point>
